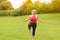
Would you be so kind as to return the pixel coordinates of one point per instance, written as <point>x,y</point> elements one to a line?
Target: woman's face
<point>33,12</point>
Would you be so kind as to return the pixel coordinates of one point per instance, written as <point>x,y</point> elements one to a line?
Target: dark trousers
<point>33,25</point>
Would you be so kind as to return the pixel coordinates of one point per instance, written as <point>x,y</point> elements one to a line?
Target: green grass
<point>12,28</point>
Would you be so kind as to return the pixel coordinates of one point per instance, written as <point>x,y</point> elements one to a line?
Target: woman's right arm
<point>27,19</point>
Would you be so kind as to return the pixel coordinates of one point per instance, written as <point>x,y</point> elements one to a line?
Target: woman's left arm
<point>39,19</point>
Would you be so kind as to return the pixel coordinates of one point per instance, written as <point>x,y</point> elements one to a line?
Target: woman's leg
<point>30,31</point>
<point>29,28</point>
<point>32,37</point>
<point>33,31</point>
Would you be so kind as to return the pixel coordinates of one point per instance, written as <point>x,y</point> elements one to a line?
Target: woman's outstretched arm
<point>27,19</point>
<point>39,19</point>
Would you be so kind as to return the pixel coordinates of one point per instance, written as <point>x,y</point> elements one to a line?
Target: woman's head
<point>33,12</point>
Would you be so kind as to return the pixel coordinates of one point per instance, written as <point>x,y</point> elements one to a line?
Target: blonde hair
<point>34,11</point>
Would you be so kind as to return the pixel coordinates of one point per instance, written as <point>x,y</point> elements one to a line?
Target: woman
<point>32,22</point>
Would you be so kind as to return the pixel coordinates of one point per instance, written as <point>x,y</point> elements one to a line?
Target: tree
<point>56,4</point>
<point>4,5</point>
<point>25,4</point>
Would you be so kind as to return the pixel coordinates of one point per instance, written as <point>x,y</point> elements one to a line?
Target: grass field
<point>12,28</point>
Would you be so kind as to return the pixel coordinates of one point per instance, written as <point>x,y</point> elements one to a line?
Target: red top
<point>33,19</point>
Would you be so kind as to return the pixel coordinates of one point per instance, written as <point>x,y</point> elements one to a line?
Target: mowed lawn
<point>13,28</point>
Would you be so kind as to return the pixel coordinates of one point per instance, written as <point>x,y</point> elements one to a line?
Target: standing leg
<point>33,31</point>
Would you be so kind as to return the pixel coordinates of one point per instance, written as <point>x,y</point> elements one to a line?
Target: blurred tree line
<point>5,5</point>
<point>53,7</point>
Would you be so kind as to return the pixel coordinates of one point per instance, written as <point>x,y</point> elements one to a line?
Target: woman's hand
<point>26,20</point>
<point>41,20</point>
